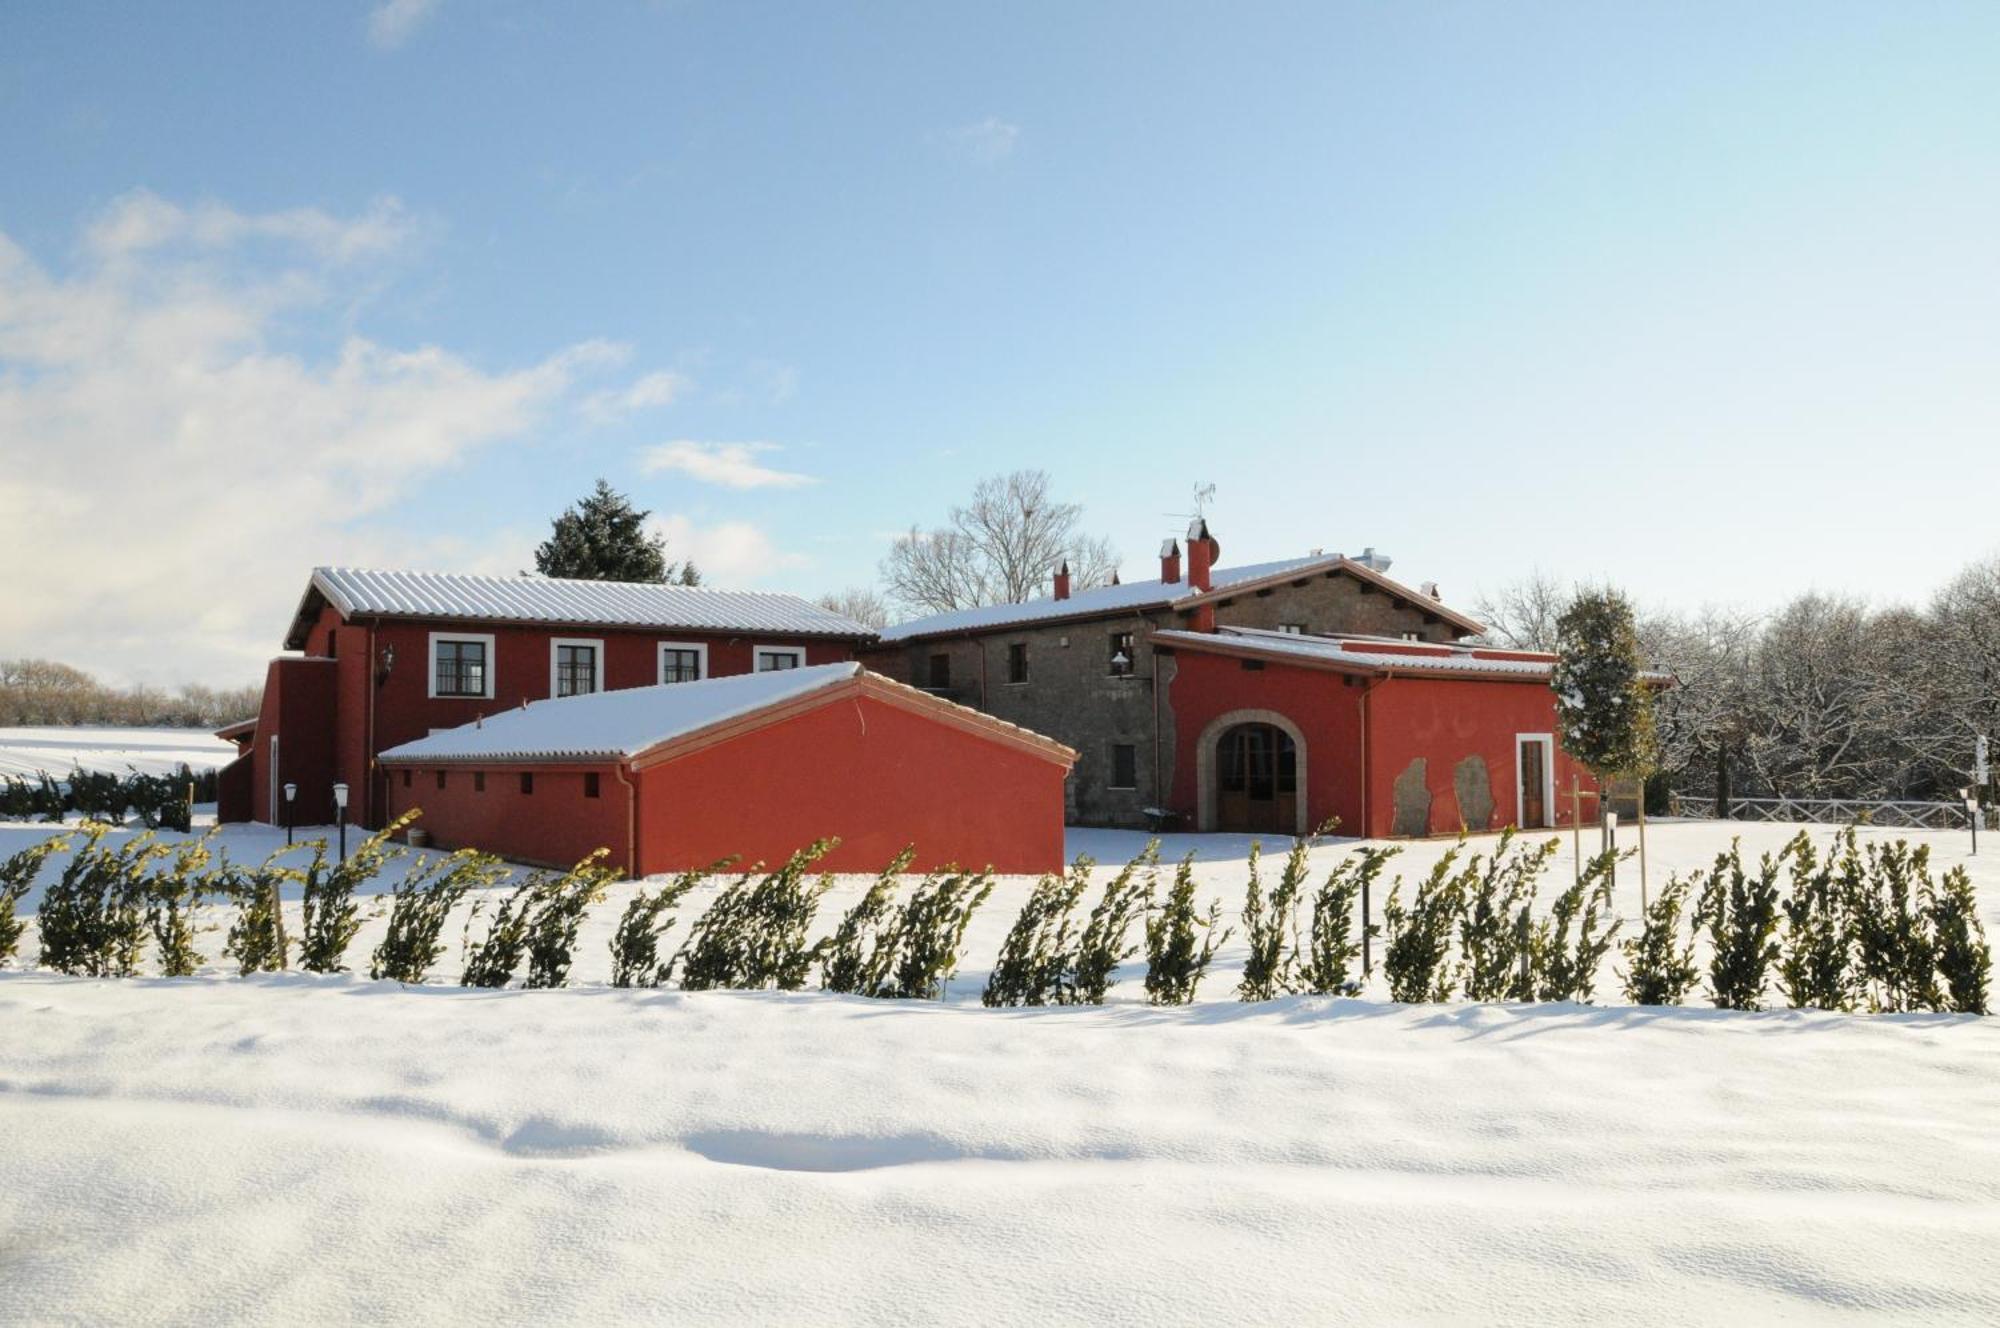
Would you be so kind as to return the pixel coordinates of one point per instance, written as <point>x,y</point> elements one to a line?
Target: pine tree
<point>602,537</point>
<point>1603,709</point>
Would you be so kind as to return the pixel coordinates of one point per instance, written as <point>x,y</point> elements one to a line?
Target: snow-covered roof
<point>1365,654</point>
<point>618,724</point>
<point>1131,597</point>
<point>541,599</point>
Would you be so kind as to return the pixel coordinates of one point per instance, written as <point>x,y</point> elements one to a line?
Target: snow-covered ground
<point>311,1149</point>
<point>27,752</point>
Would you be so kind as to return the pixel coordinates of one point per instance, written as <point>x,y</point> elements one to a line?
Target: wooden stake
<point>1642,850</point>
<point>1576,821</point>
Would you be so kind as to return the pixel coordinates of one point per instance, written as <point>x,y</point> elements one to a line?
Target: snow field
<point>27,752</point>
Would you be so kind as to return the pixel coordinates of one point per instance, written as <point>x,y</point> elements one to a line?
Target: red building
<point>756,766</point>
<point>388,657</point>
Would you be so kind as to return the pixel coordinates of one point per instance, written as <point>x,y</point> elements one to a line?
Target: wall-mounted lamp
<point>387,663</point>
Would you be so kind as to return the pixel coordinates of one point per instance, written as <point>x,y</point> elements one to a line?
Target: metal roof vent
<point>1373,561</point>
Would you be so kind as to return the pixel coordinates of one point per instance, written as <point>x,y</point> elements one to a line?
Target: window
<point>527,781</point>
<point>683,661</point>
<point>406,779</point>
<point>1121,655</point>
<point>1413,636</point>
<point>940,672</point>
<point>440,779</point>
<point>576,667</point>
<point>1124,766</point>
<point>1017,661</point>
<point>590,783</point>
<point>766,659</point>
<point>1292,629</point>
<point>461,666</point>
<point>479,781</point>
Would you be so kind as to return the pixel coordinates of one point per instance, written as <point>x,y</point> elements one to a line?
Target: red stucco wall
<point>1207,687</point>
<point>299,707</point>
<point>1446,720</point>
<point>876,775</point>
<point>555,825</point>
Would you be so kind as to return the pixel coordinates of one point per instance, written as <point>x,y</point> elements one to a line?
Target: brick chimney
<point>1062,581</point>
<point>1202,552</point>
<point>1170,562</point>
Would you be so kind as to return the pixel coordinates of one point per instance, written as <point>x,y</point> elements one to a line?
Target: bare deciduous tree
<point>1522,615</point>
<point>1000,548</point>
<point>859,603</point>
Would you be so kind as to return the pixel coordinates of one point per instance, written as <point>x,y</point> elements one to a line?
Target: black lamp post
<point>291,792</point>
<point>340,804</point>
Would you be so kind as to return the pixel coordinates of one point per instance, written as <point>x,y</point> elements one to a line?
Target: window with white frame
<point>1292,629</point>
<point>576,666</point>
<point>767,659</point>
<point>683,661</point>
<point>461,664</point>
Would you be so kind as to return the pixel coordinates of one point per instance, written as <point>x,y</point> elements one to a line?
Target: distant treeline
<point>41,691</point>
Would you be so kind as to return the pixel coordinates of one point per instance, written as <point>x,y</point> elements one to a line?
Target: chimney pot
<point>1062,581</point>
<point>1170,562</point>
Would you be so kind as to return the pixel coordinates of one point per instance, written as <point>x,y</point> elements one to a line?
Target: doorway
<point>1257,780</point>
<point>1535,780</point>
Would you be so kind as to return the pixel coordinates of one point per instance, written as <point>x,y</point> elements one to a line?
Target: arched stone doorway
<point>1250,771</point>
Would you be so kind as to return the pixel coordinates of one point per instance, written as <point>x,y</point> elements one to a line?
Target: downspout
<point>631,820</point>
<point>1159,796</point>
<point>369,810</point>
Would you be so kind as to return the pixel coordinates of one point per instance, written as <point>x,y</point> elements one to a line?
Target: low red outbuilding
<point>754,767</point>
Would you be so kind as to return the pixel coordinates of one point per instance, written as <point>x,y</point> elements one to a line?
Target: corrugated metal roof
<point>1357,653</point>
<point>539,599</point>
<point>620,724</point>
<point>1132,597</point>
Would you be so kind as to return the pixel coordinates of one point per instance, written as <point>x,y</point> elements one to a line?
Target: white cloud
<point>169,468</point>
<point>731,465</point>
<point>983,141</point>
<point>647,392</point>
<point>729,553</point>
<point>391,22</point>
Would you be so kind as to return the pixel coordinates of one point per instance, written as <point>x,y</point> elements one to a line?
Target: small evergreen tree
<point>1894,947</point>
<point>1569,973</point>
<point>92,918</point>
<point>1495,933</point>
<point>858,958</point>
<point>493,962</point>
<point>172,895</point>
<point>1180,942</point>
<point>1964,961</point>
<point>1603,709</point>
<point>1328,957</point>
<point>1815,967</point>
<point>930,931</point>
<point>17,877</point>
<point>559,911</point>
<point>1420,936</point>
<point>635,946</point>
<point>330,917</point>
<point>602,537</point>
<point>754,935</point>
<point>419,905</point>
<point>257,940</point>
<point>1038,951</point>
<point>1102,947</point>
<point>1269,923</point>
<point>1740,913</point>
<point>1659,969</point>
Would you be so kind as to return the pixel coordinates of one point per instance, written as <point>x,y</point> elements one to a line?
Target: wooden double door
<point>1257,781</point>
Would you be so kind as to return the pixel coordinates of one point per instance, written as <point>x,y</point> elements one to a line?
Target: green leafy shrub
<point>1964,961</point>
<point>1495,931</point>
<point>1659,969</point>
<point>1038,952</point>
<point>635,945</point>
<point>1740,913</point>
<point>97,795</point>
<point>1181,942</point>
<point>1327,959</point>
<point>930,932</point>
<point>419,905</point>
<point>754,935</point>
<point>1895,949</point>
<point>330,917</point>
<point>1268,924</point>
<point>558,914</point>
<point>1415,960</point>
<point>257,939</point>
<point>1816,962</point>
<point>92,918</point>
<point>1102,947</point>
<point>1566,971</point>
<point>173,895</point>
<point>17,877</point>
<point>857,958</point>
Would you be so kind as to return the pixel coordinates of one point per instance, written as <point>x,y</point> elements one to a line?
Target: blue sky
<point>1698,298</point>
